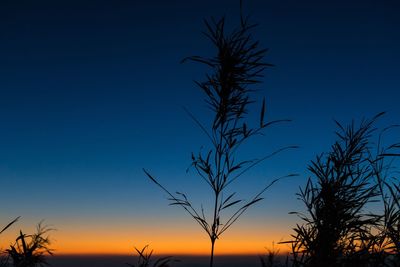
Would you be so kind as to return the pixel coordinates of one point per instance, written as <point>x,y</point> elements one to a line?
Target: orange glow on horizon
<point>173,238</point>
<point>197,244</point>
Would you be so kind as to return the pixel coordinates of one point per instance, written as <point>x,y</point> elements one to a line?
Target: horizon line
<point>99,254</point>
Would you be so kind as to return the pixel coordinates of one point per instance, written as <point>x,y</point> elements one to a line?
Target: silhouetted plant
<point>392,225</point>
<point>237,65</point>
<point>270,259</point>
<point>390,192</point>
<point>31,250</point>
<point>4,256</point>
<point>336,231</point>
<point>145,259</point>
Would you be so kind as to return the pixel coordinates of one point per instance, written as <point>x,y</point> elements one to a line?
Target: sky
<point>91,92</point>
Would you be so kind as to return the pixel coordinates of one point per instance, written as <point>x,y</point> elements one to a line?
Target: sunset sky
<point>91,92</point>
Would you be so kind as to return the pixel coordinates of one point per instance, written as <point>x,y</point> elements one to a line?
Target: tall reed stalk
<point>236,67</point>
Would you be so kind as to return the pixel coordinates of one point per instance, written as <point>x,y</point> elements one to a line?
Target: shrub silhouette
<point>237,65</point>
<point>31,250</point>
<point>336,230</point>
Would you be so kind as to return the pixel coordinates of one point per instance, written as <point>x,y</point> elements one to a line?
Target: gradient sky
<point>92,91</point>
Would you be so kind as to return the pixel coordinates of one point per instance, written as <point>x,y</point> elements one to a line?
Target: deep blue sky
<point>92,91</point>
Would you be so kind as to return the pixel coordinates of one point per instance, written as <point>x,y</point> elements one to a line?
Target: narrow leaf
<point>262,114</point>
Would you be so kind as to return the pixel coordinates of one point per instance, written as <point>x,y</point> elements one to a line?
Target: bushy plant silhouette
<point>31,250</point>
<point>336,230</point>
<point>237,65</point>
<point>145,259</point>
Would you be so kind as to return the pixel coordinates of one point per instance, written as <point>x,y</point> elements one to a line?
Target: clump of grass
<point>145,259</point>
<point>269,260</point>
<point>31,250</point>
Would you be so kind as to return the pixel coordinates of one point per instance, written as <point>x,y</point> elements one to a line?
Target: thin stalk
<point>212,252</point>
<point>214,229</point>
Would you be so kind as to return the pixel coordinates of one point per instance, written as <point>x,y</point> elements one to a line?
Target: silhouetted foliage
<point>31,250</point>
<point>336,230</point>
<point>237,65</point>
<point>391,230</point>
<point>8,225</point>
<point>389,189</point>
<point>3,255</point>
<point>145,259</point>
<point>270,259</point>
